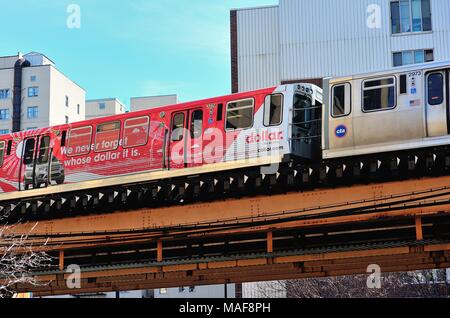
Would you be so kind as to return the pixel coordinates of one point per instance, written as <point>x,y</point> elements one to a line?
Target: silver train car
<point>400,109</point>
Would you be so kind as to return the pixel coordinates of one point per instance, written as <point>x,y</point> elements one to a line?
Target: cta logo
<point>341,131</point>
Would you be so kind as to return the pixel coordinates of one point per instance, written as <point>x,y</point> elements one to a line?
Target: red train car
<point>272,122</point>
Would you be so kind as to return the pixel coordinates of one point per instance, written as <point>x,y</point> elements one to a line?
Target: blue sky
<point>130,48</point>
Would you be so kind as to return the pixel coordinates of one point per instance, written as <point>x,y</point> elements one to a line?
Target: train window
<point>197,124</point>
<point>63,138</point>
<point>302,111</point>
<point>107,136</point>
<point>219,112</point>
<point>341,105</point>
<point>28,153</point>
<point>403,84</point>
<point>435,89</point>
<point>178,127</point>
<point>273,110</point>
<point>8,151</point>
<point>379,94</point>
<point>2,152</point>
<point>44,150</point>
<point>79,141</point>
<point>240,114</point>
<point>135,132</point>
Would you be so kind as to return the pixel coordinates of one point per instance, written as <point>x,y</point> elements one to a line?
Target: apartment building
<point>148,102</point>
<point>98,108</point>
<point>34,94</point>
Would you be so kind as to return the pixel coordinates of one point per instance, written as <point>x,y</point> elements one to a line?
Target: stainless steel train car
<point>395,110</point>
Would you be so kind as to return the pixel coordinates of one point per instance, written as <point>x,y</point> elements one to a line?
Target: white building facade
<point>98,108</point>
<point>149,102</point>
<point>306,40</point>
<point>35,94</point>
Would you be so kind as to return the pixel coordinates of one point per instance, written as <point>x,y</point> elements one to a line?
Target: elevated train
<point>384,113</point>
<point>228,131</point>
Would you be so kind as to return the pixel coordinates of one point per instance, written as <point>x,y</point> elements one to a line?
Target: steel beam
<point>404,258</point>
<point>318,203</point>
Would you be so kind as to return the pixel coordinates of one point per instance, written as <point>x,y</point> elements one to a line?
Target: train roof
<point>396,70</point>
<point>144,112</point>
<point>167,108</point>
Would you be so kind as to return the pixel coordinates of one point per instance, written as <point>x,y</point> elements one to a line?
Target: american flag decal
<point>414,103</point>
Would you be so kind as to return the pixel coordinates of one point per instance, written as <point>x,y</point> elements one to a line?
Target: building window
<point>33,112</point>
<point>33,78</point>
<point>67,101</point>
<point>102,106</point>
<point>67,119</point>
<point>379,94</point>
<point>4,93</point>
<point>240,114</point>
<point>4,131</point>
<point>33,91</point>
<point>410,16</point>
<point>273,110</point>
<point>78,109</point>
<point>4,114</point>
<point>413,57</point>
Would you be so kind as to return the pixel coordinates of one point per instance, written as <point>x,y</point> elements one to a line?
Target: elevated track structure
<point>399,225</point>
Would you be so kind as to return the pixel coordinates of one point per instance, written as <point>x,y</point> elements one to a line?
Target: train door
<point>35,165</point>
<point>305,126</point>
<point>301,122</point>
<point>437,101</point>
<point>178,140</point>
<point>195,138</point>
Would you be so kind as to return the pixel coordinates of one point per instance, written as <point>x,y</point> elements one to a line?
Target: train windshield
<point>302,111</point>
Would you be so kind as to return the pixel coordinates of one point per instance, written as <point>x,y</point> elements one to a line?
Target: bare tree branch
<point>423,284</point>
<point>18,259</point>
